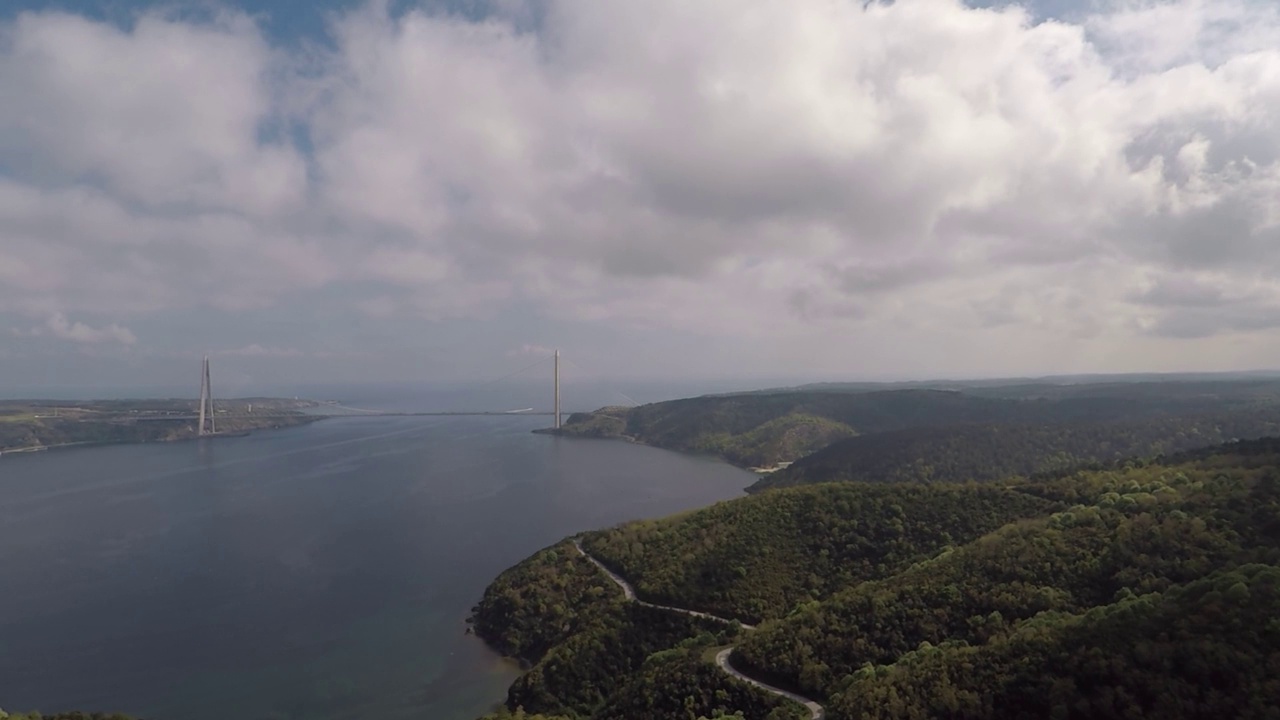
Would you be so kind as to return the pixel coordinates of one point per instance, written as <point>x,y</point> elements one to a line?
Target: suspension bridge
<point>207,414</point>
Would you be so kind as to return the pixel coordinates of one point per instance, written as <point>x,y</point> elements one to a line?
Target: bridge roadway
<point>454,412</point>
<point>260,416</point>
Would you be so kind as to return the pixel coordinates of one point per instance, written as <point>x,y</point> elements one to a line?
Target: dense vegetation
<point>986,452</point>
<point>777,440</point>
<point>760,556</point>
<point>1144,589</point>
<point>586,646</point>
<point>1204,650</point>
<point>681,684</point>
<point>1142,530</point>
<point>62,716</point>
<point>979,432</point>
<point>519,714</point>
<point>762,429</point>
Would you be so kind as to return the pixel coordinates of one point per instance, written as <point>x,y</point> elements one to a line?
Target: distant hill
<point>74,715</point>
<point>945,434</point>
<point>985,452</point>
<point>762,429</point>
<point>1083,381</point>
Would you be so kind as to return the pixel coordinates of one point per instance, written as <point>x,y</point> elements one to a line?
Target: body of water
<point>314,572</point>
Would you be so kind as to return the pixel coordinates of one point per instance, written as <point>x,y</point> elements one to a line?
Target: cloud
<point>920,175</point>
<point>812,164</point>
<point>58,326</point>
<point>256,350</point>
<point>1201,323</point>
<point>166,114</point>
<point>1199,305</point>
<point>530,350</point>
<point>1182,291</point>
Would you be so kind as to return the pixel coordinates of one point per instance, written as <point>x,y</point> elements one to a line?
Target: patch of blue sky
<point>283,21</point>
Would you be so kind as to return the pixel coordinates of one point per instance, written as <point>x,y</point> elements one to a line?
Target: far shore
<point>32,426</point>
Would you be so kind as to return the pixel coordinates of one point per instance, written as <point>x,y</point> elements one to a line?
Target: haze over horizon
<point>798,190</point>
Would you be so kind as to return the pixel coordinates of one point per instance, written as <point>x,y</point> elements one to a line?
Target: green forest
<point>984,452</point>
<point>952,434</point>
<point>62,716</point>
<point>1146,588</point>
<point>760,556</point>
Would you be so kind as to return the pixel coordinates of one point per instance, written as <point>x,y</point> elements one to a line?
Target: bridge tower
<point>557,369</point>
<point>206,402</point>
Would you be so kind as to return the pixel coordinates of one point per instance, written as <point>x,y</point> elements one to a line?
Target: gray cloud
<point>868,278</point>
<point>1182,291</point>
<point>1201,323</point>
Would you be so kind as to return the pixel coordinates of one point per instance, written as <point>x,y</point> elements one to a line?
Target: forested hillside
<point>1207,649</point>
<point>63,716</point>
<point>760,556</point>
<point>1146,590</point>
<point>984,452</point>
<point>952,435</point>
<point>586,647</point>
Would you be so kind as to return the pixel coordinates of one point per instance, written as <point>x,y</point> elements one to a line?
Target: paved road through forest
<point>816,711</point>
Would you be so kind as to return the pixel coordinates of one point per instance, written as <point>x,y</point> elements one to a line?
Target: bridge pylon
<point>557,386</point>
<point>206,403</point>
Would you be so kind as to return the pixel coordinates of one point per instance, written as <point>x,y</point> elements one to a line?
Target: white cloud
<point>167,113</point>
<point>256,350</point>
<point>58,326</point>
<point>918,174</point>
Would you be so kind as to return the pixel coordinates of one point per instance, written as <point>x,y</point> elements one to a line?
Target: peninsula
<point>36,425</point>
<point>991,551</point>
<point>946,432</point>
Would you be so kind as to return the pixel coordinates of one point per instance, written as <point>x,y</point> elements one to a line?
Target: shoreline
<point>33,449</point>
<point>817,711</point>
<point>30,449</point>
<point>759,471</point>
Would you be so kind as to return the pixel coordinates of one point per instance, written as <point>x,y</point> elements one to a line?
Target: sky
<point>784,189</point>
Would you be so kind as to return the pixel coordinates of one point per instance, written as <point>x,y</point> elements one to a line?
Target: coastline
<point>43,448</point>
<point>760,471</point>
<point>524,665</point>
<point>295,421</point>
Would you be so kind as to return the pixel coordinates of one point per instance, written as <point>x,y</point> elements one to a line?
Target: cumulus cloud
<point>168,113</point>
<point>921,173</point>
<point>58,326</point>
<point>815,160</point>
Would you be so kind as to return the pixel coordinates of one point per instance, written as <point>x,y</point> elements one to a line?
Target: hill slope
<point>978,433</point>
<point>984,452</point>
<point>900,600</point>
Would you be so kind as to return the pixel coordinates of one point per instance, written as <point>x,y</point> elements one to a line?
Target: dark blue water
<point>316,572</point>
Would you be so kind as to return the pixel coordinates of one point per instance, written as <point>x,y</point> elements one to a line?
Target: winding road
<point>816,711</point>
